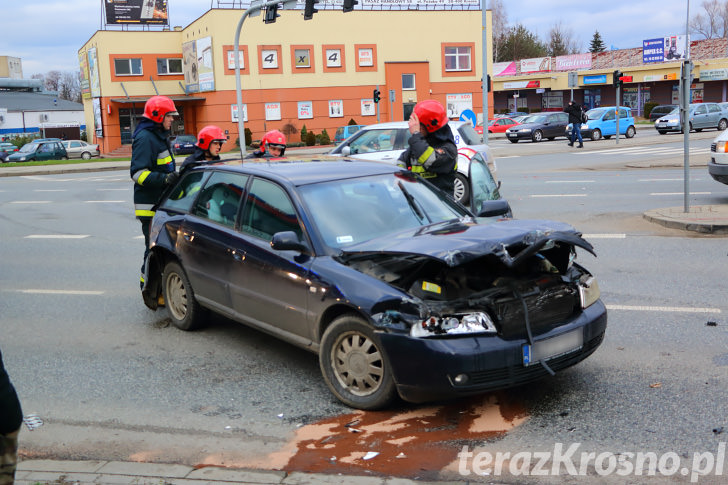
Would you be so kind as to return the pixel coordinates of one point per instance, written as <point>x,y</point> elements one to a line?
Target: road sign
<point>573,79</point>
<point>469,115</point>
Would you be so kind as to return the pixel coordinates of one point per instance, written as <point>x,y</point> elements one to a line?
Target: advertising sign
<point>504,69</point>
<point>574,62</point>
<point>366,57</point>
<point>336,108</point>
<point>713,74</point>
<point>368,108</point>
<point>189,66</point>
<point>93,71</point>
<point>98,125</point>
<point>457,103</point>
<point>234,113</point>
<point>536,64</point>
<point>84,78</point>
<point>205,70</point>
<point>136,12</point>
<point>523,85</point>
<point>272,111</point>
<point>598,79</point>
<point>672,48</point>
<point>305,110</point>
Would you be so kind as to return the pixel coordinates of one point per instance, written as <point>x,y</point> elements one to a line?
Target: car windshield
<point>354,210</point>
<point>535,119</point>
<point>595,114</point>
<point>674,110</point>
<point>374,141</point>
<point>29,148</point>
<point>469,135</point>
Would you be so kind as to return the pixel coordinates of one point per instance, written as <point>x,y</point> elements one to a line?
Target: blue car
<point>399,289</point>
<point>602,123</point>
<point>183,144</point>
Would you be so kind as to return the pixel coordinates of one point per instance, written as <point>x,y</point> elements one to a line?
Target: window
<point>713,108</point>
<point>303,58</point>
<point>333,57</point>
<point>220,199</point>
<point>269,58</point>
<point>457,58</point>
<point>268,211</point>
<point>128,67</point>
<point>408,81</point>
<point>375,141</point>
<point>701,110</point>
<point>169,66</point>
<point>184,194</point>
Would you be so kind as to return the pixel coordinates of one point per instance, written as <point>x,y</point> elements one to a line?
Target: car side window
<point>700,110</point>
<point>220,199</point>
<point>623,113</point>
<point>713,108</point>
<point>45,148</point>
<point>609,115</point>
<point>75,144</point>
<point>373,141</point>
<point>269,210</point>
<point>186,192</point>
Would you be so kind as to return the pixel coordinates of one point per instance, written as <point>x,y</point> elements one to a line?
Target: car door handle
<point>238,256</point>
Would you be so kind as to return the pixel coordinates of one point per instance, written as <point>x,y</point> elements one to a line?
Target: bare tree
<point>499,20</point>
<point>713,21</point>
<point>69,86</point>
<point>52,80</point>
<point>561,40</point>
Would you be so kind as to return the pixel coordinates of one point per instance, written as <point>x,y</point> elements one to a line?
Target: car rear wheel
<point>596,134</point>
<point>461,188</point>
<point>354,365</point>
<point>537,136</point>
<point>630,132</point>
<point>86,155</point>
<point>722,124</point>
<point>183,309</point>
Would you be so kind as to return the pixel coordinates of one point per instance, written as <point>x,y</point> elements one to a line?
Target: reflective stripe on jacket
<point>151,161</point>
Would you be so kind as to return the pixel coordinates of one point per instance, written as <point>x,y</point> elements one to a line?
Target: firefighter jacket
<point>151,161</point>
<point>10,411</point>
<point>197,156</point>
<point>434,157</point>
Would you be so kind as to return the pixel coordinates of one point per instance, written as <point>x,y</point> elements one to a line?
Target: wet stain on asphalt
<point>415,442</point>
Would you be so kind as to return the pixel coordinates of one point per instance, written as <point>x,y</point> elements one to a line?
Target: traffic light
<point>309,9</point>
<point>487,83</point>
<point>376,94</point>
<point>616,82</point>
<point>271,13</point>
<point>349,5</point>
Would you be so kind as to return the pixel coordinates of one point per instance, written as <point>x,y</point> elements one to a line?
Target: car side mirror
<point>288,241</point>
<point>346,151</point>
<point>494,208</point>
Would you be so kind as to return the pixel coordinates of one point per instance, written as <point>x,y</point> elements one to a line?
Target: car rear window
<point>185,139</point>
<point>469,135</point>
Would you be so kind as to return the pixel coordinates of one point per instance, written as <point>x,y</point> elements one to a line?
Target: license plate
<point>512,135</point>
<point>553,347</point>
<point>661,124</point>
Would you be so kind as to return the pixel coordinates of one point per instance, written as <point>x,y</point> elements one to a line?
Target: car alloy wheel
<point>461,188</point>
<point>596,134</point>
<point>179,298</point>
<point>86,155</point>
<point>630,132</point>
<point>722,124</point>
<point>537,136</point>
<point>354,366</point>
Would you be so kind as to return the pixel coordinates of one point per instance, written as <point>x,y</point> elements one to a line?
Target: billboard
<point>93,73</point>
<point>136,12</point>
<point>197,65</point>
<point>574,62</point>
<point>85,81</point>
<point>536,64</point>
<point>662,49</point>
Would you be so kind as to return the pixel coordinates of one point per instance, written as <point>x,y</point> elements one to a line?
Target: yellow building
<point>320,73</point>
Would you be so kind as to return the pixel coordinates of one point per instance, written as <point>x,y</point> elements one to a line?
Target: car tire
<point>551,138</point>
<point>537,136</point>
<point>86,156</point>
<point>596,134</point>
<point>698,130</point>
<point>607,137</point>
<point>661,132</point>
<point>354,365</point>
<point>64,158</point>
<point>630,132</point>
<point>179,298</point>
<point>512,140</point>
<point>461,189</point>
<point>722,124</point>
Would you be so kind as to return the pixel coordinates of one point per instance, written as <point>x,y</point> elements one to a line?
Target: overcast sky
<point>46,34</point>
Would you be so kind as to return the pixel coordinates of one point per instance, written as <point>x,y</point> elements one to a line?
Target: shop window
<point>128,67</point>
<point>169,66</point>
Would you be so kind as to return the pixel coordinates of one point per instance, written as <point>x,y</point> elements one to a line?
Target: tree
<point>520,43</point>
<point>66,83</point>
<point>499,21</point>
<point>597,44</point>
<point>561,41</point>
<point>713,22</point>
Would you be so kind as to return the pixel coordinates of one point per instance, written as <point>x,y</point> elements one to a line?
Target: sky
<point>46,34</point>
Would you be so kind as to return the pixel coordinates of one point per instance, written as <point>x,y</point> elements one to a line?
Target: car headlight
<point>588,290</point>
<point>673,120</point>
<point>720,147</point>
<point>21,159</point>
<point>525,130</point>
<point>478,322</point>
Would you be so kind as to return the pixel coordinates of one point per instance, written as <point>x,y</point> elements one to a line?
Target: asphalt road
<point>112,380</point>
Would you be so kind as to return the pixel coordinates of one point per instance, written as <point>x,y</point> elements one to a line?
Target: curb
<point>706,219</point>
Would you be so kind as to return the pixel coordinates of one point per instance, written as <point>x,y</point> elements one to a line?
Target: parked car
<point>700,117</point>
<point>6,148</point>
<point>385,142</point>
<point>661,110</point>
<point>602,122</point>
<point>43,149</point>
<point>81,149</point>
<point>538,126</point>
<point>183,144</point>
<point>397,288</point>
<point>500,125</point>
<point>344,132</point>
<point>718,164</point>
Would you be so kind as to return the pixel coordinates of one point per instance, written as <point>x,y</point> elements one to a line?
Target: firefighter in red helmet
<point>273,145</point>
<point>207,149</point>
<point>152,164</point>
<point>432,152</point>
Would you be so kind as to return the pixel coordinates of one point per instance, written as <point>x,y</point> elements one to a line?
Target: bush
<point>310,139</point>
<point>303,133</point>
<point>324,138</point>
<point>522,110</point>
<point>648,108</point>
<point>248,136</point>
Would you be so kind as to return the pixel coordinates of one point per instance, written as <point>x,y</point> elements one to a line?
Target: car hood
<point>460,241</point>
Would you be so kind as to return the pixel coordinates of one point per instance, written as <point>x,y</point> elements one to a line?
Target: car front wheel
<point>183,309</point>
<point>354,365</point>
<point>461,188</point>
<point>630,132</point>
<point>596,134</point>
<point>513,140</point>
<point>537,136</point>
<point>722,124</point>
<point>86,155</point>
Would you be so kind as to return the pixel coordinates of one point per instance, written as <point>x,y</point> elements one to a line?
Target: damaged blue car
<point>399,289</point>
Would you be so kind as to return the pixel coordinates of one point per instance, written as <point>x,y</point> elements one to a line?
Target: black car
<point>538,126</point>
<point>661,110</point>
<point>183,144</point>
<point>398,288</point>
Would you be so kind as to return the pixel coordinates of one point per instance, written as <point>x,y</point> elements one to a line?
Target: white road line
<point>570,181</point>
<point>60,292</point>
<point>109,190</point>
<point>31,202</point>
<point>680,193</point>
<point>605,236</point>
<point>138,237</point>
<point>660,180</point>
<point>664,309</point>
<point>509,156</point>
<point>50,190</point>
<point>57,236</point>
<point>535,196</point>
<point>104,201</point>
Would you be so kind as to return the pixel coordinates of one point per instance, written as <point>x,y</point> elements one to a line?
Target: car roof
<point>403,124</point>
<point>305,170</point>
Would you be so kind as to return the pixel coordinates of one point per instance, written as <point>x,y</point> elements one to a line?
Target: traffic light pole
<point>616,115</point>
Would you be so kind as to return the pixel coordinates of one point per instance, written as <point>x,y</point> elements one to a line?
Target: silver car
<point>701,116</point>
<point>385,142</point>
<point>81,149</point>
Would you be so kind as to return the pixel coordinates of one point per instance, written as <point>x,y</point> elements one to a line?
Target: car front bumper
<point>519,135</point>
<point>667,126</point>
<point>718,171</point>
<point>425,368</point>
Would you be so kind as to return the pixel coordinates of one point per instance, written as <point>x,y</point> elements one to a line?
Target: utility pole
<point>686,80</point>
<point>484,9</point>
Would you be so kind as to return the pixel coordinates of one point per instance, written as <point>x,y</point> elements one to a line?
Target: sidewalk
<point>57,472</point>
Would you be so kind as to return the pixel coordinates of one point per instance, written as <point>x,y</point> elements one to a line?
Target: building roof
<point>23,101</point>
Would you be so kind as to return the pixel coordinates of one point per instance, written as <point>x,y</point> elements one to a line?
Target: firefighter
<point>273,145</point>
<point>152,164</point>
<point>207,149</point>
<point>432,151</point>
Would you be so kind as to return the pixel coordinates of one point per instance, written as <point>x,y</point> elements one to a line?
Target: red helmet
<point>273,138</point>
<point>431,114</point>
<point>157,107</point>
<point>209,134</point>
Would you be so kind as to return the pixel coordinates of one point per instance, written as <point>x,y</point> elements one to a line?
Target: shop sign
<point>574,62</point>
<point>536,64</point>
<point>713,74</point>
<point>522,85</point>
<point>598,79</point>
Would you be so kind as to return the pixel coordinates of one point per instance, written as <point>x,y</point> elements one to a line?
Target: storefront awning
<point>143,99</point>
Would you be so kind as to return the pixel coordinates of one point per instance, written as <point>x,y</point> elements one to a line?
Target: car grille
<point>712,147</point>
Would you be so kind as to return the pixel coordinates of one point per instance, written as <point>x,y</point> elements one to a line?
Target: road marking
<point>509,156</point>
<point>664,309</point>
<point>570,181</point>
<point>138,237</point>
<point>57,236</point>
<point>604,236</point>
<point>646,151</point>
<point>679,193</point>
<point>109,190</point>
<point>557,195</point>
<point>104,201</point>
<point>661,180</point>
<point>50,190</point>
<point>60,292</point>
<point>31,202</point>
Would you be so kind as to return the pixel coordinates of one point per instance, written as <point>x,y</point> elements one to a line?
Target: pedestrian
<point>207,149</point>
<point>575,119</point>
<point>152,164</point>
<point>432,151</point>
<point>273,145</point>
<point>11,417</point>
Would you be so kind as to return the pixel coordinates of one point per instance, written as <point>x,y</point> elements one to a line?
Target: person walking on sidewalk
<point>152,164</point>
<point>575,118</point>
<point>11,417</point>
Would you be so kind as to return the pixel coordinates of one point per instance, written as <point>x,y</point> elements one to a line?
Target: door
<point>44,152</point>
<point>700,117</point>
<point>609,122</point>
<point>407,109</point>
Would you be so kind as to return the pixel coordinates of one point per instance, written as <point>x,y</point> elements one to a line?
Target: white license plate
<point>512,135</point>
<point>553,347</point>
